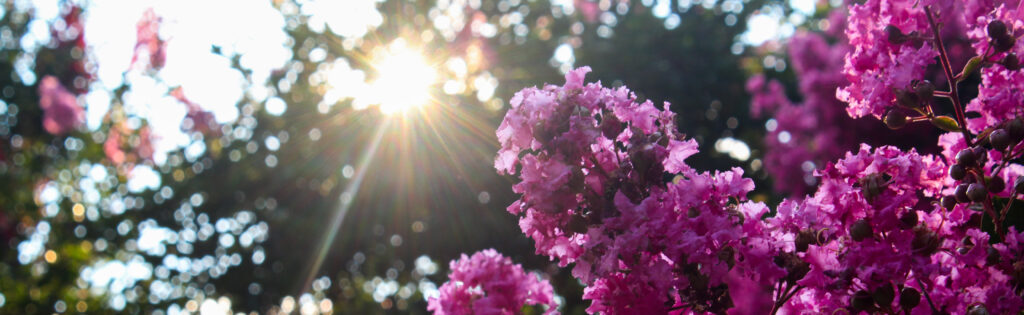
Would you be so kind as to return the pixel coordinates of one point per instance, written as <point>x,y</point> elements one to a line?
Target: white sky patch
<point>143,177</point>
<point>254,31</point>
<point>151,239</point>
<point>762,28</point>
<point>348,18</point>
<point>805,7</point>
<point>662,8</point>
<point>115,275</point>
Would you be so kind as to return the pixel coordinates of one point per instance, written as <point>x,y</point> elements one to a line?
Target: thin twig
<point>950,78</point>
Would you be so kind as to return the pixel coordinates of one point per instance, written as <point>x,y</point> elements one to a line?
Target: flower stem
<point>950,78</point>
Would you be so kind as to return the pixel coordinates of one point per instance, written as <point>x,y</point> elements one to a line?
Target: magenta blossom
<point>489,283</point>
<point>61,111</point>
<point>148,43</point>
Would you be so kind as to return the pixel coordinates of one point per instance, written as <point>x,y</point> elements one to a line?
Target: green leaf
<point>970,67</point>
<point>945,123</point>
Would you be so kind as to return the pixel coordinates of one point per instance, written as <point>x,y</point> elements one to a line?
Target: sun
<point>404,80</point>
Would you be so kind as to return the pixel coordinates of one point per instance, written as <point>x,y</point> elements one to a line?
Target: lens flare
<point>404,81</point>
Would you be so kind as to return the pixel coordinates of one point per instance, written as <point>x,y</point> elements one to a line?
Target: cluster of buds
<point>970,165</point>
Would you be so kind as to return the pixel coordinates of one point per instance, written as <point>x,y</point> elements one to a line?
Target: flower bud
<point>995,184</point>
<point>909,298</point>
<point>541,133</point>
<point>977,310</point>
<point>961,193</point>
<point>906,99</point>
<point>925,241</point>
<point>1000,139</point>
<point>577,224</point>
<point>797,271</point>
<point>1011,62</point>
<point>884,295</point>
<point>948,202</point>
<point>804,239</point>
<point>966,241</point>
<point>957,172</point>
<point>1004,43</point>
<point>996,29</point>
<point>1015,128</point>
<point>965,157</point>
<point>925,90</point>
<point>872,185</point>
<point>894,119</point>
<point>860,230</point>
<point>908,220</point>
<point>611,127</point>
<point>862,301</point>
<point>981,154</point>
<point>977,192</point>
<point>895,35</point>
<point>992,256</point>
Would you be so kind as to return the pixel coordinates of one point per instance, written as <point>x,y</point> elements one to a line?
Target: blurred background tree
<point>308,188</point>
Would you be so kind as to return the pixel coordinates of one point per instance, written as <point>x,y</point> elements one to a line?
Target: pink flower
<point>148,42</point>
<point>197,118</point>
<point>61,112</point>
<point>591,161</point>
<point>489,283</point>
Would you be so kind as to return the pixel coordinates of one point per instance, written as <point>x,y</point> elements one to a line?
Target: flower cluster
<point>862,230</point>
<point>61,111</point>
<point>489,283</point>
<point>148,44</point>
<point>197,118</point>
<point>994,37</point>
<point>593,163</point>
<point>605,186</point>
